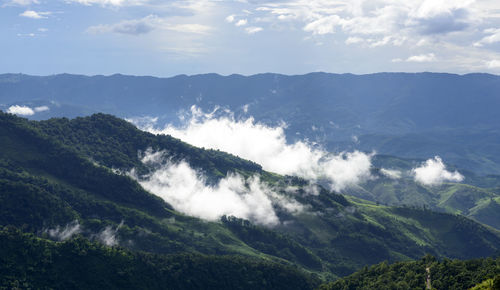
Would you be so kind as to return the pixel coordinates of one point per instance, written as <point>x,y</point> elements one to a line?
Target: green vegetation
<point>490,284</point>
<point>58,173</point>
<point>30,262</point>
<point>477,198</point>
<point>445,274</point>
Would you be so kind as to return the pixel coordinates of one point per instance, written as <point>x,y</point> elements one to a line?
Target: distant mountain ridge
<point>403,114</point>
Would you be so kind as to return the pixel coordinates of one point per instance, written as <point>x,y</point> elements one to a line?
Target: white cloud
<point>108,235</point>
<point>110,2</point>
<point>422,58</point>
<point>34,14</point>
<point>441,16</point>
<point>324,25</point>
<point>353,40</point>
<point>386,17</point>
<point>41,109</point>
<point>430,57</point>
<point>147,24</point>
<point>433,172</point>
<point>268,146</point>
<point>20,110</point>
<point>187,191</point>
<point>21,2</point>
<point>241,22</point>
<point>230,18</point>
<point>391,173</point>
<point>253,29</point>
<point>493,37</point>
<point>495,63</point>
<point>65,233</point>
<point>25,110</point>
<point>245,108</point>
<point>134,27</point>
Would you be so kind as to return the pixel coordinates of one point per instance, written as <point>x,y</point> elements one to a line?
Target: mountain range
<point>120,197</point>
<point>412,115</point>
<point>85,177</point>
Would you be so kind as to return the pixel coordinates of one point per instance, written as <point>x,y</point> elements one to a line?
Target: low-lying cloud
<point>64,233</point>
<point>188,192</point>
<point>391,173</point>
<point>20,110</point>
<point>433,172</point>
<point>25,110</point>
<point>268,146</point>
<point>108,236</point>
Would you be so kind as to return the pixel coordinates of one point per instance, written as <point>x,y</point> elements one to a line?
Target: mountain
<point>60,178</point>
<point>413,115</point>
<point>31,262</point>
<point>477,197</point>
<point>445,274</point>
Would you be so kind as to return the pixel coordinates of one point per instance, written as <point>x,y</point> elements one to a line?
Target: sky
<point>167,38</point>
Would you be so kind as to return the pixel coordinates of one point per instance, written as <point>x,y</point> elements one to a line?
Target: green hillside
<point>30,262</point>
<point>60,175</point>
<point>478,197</point>
<point>445,274</point>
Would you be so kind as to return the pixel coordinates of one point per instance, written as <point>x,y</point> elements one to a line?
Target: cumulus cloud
<point>147,24</point>
<point>20,110</point>
<point>34,15</point>
<point>65,233</point>
<point>494,63</point>
<point>360,17</point>
<point>268,146</point>
<point>441,16</point>
<point>25,110</point>
<point>188,192</point>
<point>433,172</point>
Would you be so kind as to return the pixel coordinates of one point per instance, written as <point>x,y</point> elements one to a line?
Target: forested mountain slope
<point>27,261</point>
<point>445,274</point>
<point>477,197</point>
<point>63,177</point>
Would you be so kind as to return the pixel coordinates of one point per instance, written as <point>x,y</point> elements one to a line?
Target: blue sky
<point>166,38</point>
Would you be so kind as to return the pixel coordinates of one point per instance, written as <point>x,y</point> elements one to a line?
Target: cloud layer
<point>268,146</point>
<point>187,191</point>
<point>433,172</point>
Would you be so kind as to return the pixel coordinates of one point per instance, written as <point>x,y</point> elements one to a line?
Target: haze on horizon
<point>166,38</point>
